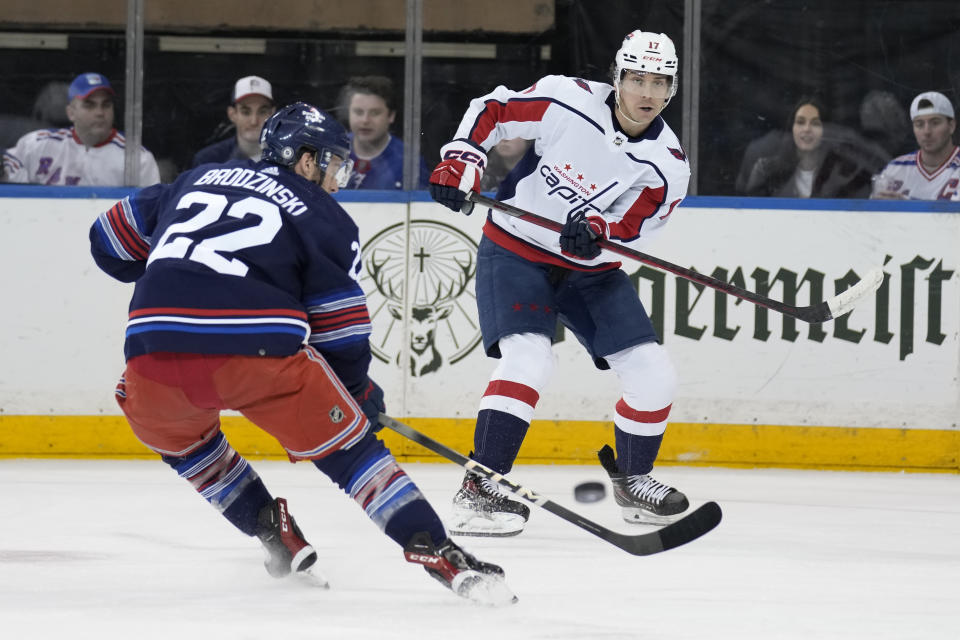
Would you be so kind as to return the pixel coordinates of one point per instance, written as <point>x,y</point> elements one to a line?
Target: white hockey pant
<point>526,364</point>
<point>649,382</point>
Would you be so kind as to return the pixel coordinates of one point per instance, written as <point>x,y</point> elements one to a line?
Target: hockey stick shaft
<point>814,314</point>
<point>688,528</point>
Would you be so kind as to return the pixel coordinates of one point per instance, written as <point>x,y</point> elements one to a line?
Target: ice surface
<point>126,549</point>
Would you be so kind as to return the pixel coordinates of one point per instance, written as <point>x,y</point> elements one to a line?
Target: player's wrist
<point>599,226</point>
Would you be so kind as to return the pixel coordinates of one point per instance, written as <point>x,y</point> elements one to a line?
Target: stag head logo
<point>440,263</point>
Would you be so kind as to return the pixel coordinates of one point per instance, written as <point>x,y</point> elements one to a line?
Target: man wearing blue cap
<point>91,152</point>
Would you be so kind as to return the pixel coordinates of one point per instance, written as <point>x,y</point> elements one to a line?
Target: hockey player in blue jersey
<point>247,298</point>
<point>606,165</point>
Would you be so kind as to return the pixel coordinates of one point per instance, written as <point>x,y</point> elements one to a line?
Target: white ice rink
<point>126,549</point>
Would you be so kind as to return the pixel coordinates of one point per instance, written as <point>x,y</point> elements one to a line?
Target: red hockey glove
<point>581,235</point>
<point>457,175</point>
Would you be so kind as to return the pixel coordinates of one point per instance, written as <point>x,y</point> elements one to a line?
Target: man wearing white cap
<point>932,172</point>
<point>91,152</point>
<point>252,105</point>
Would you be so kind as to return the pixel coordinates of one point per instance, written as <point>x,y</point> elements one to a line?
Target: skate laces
<point>646,488</point>
<point>489,490</point>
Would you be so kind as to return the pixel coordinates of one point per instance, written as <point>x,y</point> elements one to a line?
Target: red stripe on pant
<point>649,417</point>
<point>515,390</point>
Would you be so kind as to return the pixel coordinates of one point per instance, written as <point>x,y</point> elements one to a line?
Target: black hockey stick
<point>688,528</point>
<point>835,307</point>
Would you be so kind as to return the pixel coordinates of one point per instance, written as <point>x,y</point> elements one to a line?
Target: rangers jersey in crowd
<point>907,176</point>
<point>190,246</point>
<point>58,157</point>
<point>385,171</point>
<point>591,166</point>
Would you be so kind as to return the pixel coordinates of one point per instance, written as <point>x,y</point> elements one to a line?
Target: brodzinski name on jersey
<point>256,181</point>
<point>581,160</point>
<point>189,246</point>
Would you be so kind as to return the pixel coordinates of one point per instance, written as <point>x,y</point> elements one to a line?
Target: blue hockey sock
<point>226,480</point>
<point>497,439</point>
<point>369,474</point>
<point>636,454</point>
<point>413,518</point>
<point>243,512</point>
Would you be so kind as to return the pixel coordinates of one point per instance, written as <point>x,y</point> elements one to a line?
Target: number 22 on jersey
<point>208,251</point>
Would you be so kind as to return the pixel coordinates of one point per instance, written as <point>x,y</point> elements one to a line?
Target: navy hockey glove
<point>371,403</point>
<point>457,175</point>
<point>581,235</point>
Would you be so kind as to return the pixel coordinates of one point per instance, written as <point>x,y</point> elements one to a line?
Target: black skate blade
<point>485,534</point>
<point>644,518</point>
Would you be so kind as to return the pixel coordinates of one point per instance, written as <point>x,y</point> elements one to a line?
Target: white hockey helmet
<point>647,52</point>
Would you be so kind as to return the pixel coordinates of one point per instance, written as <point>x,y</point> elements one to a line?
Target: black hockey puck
<point>589,492</point>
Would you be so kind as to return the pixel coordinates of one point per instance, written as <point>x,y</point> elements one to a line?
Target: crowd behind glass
<point>781,124</point>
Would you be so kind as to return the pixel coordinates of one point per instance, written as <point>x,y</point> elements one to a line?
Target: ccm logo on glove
<point>467,156</point>
<point>457,175</point>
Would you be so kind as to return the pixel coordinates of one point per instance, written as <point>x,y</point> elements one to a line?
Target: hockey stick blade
<point>814,314</point>
<point>680,532</point>
<point>844,302</point>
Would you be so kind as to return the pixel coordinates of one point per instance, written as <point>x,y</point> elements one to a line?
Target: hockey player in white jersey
<point>89,153</point>
<point>932,172</point>
<point>606,165</point>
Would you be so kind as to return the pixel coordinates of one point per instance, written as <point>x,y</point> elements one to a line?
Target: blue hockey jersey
<point>239,258</point>
<point>385,171</point>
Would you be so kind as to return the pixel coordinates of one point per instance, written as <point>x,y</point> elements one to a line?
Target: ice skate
<point>286,549</point>
<point>459,571</point>
<point>642,499</point>
<point>480,509</point>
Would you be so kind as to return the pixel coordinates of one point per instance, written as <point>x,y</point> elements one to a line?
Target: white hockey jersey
<point>58,157</point>
<point>580,160</point>
<point>907,176</point>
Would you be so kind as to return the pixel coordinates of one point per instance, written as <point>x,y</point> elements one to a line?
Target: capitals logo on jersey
<point>571,185</point>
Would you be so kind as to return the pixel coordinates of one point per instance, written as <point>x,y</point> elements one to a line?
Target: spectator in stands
<point>91,152</point>
<point>49,112</point>
<point>251,106</point>
<point>501,160</point>
<point>369,102</point>
<point>811,159</point>
<point>932,172</point>
<point>884,121</point>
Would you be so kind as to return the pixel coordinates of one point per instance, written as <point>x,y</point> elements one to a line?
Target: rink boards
<point>877,389</point>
